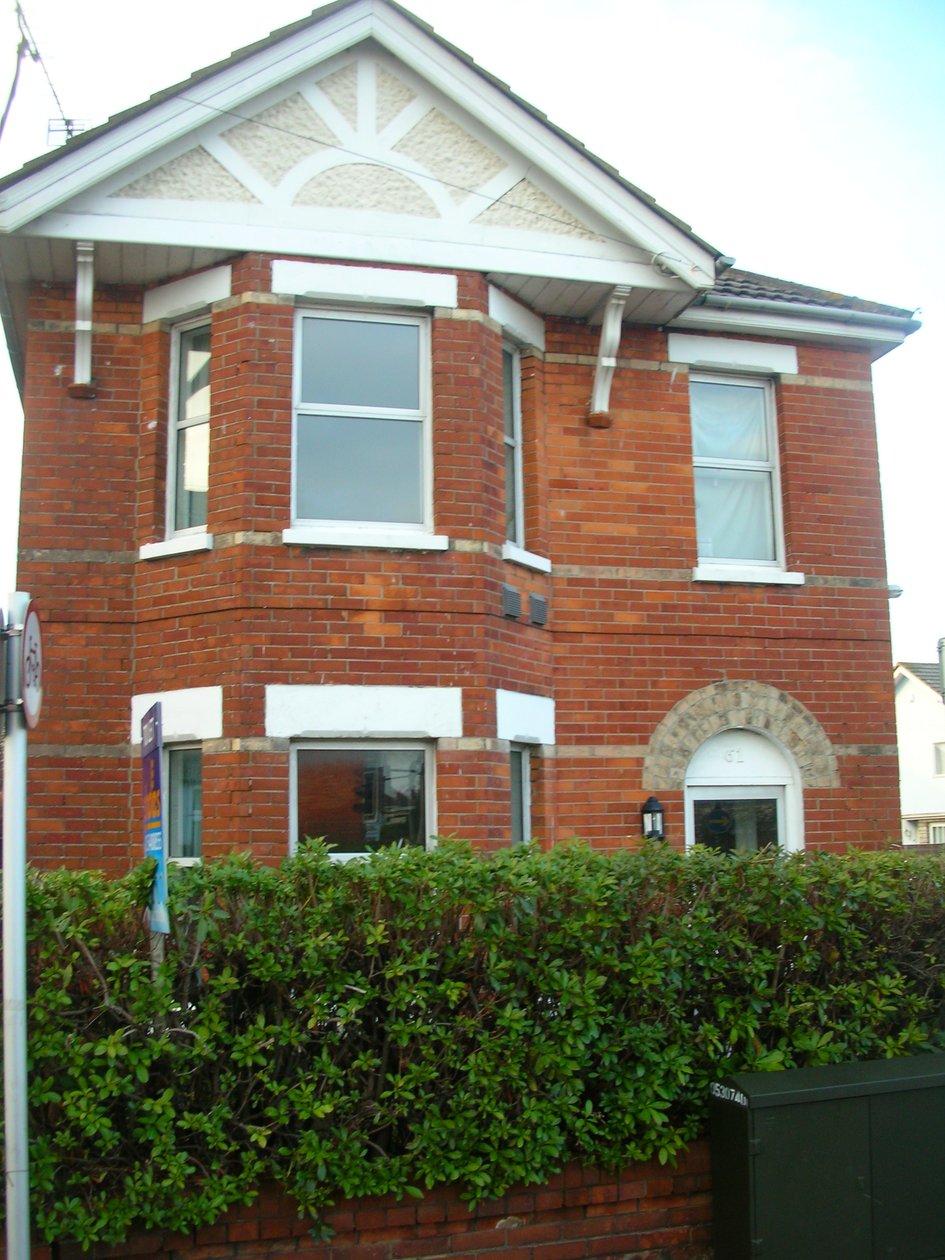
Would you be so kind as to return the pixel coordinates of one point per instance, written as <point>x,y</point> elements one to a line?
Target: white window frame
<point>373,745</point>
<point>512,442</point>
<point>721,568</point>
<point>329,531</point>
<point>522,807</point>
<point>937,833</point>
<point>168,752</point>
<point>938,753</point>
<point>176,424</point>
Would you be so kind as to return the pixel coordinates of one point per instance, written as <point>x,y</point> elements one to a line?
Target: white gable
<point>359,135</point>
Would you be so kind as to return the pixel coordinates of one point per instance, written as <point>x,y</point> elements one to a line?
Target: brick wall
<point>645,1212</point>
<point>629,635</point>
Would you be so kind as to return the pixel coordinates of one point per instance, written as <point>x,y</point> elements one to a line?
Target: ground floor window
<point>360,798</point>
<point>521,790</point>
<point>184,804</point>
<point>743,794</point>
<point>738,820</point>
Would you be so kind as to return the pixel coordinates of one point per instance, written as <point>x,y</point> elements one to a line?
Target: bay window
<point>190,431</point>
<point>362,441</point>
<point>184,804</point>
<point>362,797</point>
<point>512,398</point>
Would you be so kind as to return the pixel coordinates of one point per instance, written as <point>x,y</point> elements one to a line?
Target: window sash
<point>735,468</point>
<point>362,796</point>
<point>939,751</point>
<point>521,793</point>
<point>512,405</point>
<point>361,438</point>
<point>189,453</point>
<point>936,833</point>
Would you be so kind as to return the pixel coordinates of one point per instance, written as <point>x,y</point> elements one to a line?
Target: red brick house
<point>432,477</point>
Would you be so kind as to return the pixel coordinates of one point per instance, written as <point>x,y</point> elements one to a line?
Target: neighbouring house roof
<point>750,284</point>
<point>929,673</point>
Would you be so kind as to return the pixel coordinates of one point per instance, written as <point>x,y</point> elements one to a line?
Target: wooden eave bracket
<point>598,416</point>
<point>82,386</point>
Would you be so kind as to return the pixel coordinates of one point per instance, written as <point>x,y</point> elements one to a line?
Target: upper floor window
<point>362,442</point>
<point>734,445</point>
<point>939,758</point>
<point>512,398</point>
<point>190,430</point>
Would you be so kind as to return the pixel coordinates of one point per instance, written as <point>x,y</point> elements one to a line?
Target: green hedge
<point>418,1018</point>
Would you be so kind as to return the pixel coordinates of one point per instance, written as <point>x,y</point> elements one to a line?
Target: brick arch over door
<point>732,705</point>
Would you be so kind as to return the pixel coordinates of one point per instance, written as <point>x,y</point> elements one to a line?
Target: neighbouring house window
<point>360,798</point>
<point>520,779</point>
<point>190,432</point>
<point>512,397</point>
<point>936,833</point>
<point>939,758</point>
<point>184,803</point>
<point>734,445</point>
<point>362,441</point>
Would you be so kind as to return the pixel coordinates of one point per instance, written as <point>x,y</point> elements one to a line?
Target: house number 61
<point>734,754</point>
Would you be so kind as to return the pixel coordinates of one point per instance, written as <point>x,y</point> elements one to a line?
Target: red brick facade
<point>630,635</point>
<point>646,1211</point>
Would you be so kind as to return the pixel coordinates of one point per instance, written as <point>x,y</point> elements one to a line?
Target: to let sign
<point>153,815</point>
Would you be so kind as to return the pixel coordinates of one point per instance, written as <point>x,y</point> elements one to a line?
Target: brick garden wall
<point>646,1212</point>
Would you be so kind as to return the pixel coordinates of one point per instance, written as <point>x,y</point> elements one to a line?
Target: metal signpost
<point>23,702</point>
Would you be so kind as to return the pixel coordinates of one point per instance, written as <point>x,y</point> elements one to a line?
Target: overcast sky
<point>804,137</point>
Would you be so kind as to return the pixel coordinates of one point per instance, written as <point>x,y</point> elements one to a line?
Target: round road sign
<point>31,667</point>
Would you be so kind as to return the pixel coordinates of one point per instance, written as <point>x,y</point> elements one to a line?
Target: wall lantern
<point>651,816</point>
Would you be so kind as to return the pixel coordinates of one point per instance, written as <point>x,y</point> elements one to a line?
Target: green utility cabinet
<point>842,1162</point>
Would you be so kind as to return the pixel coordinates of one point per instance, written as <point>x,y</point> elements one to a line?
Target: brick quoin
<point>646,1211</point>
<point>628,636</point>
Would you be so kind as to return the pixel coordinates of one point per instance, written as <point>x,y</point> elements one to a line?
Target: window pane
<point>511,506</point>
<point>193,470</point>
<point>734,514</point>
<point>728,421</point>
<point>508,391</point>
<point>193,428</point>
<point>184,803</point>
<point>360,799</point>
<point>193,397</point>
<point>940,758</point>
<point>353,469</point>
<point>512,447</point>
<point>936,833</point>
<point>736,826</point>
<point>360,363</point>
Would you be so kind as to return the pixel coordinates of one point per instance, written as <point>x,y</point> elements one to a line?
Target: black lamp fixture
<point>652,817</point>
